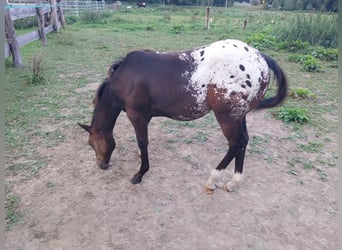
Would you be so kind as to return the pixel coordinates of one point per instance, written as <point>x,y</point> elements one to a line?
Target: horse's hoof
<point>136,180</point>
<point>209,190</point>
<point>103,165</point>
<point>227,188</point>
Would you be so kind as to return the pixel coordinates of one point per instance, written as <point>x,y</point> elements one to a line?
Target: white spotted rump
<point>232,66</point>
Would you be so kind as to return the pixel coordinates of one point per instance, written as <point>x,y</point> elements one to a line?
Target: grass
<point>41,113</point>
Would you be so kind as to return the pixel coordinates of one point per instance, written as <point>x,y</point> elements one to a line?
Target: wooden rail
<point>17,11</point>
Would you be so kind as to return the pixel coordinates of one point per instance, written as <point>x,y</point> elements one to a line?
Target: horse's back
<point>227,75</point>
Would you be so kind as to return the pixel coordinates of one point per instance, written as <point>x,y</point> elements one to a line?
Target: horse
<point>141,4</point>
<point>227,77</point>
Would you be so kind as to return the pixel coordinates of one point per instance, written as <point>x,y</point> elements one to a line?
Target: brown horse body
<point>227,77</point>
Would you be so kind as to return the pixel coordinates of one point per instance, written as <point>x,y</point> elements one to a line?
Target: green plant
<point>92,17</point>
<point>309,63</point>
<point>13,215</point>
<point>295,115</point>
<point>314,29</point>
<point>37,75</point>
<point>70,19</point>
<point>326,54</point>
<point>177,29</point>
<point>65,38</point>
<point>301,93</point>
<point>200,137</point>
<point>312,147</point>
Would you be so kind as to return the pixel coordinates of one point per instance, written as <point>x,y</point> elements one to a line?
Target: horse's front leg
<point>140,123</point>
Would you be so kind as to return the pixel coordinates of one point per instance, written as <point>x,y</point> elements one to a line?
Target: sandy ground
<point>73,204</point>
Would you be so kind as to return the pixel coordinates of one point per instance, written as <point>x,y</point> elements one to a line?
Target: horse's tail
<point>113,68</point>
<point>282,85</point>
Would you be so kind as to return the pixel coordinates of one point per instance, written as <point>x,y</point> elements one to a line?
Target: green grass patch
<point>296,115</point>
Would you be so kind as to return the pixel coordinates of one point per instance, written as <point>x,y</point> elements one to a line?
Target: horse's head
<point>102,143</point>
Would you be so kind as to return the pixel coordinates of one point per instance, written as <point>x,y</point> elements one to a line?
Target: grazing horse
<point>227,77</point>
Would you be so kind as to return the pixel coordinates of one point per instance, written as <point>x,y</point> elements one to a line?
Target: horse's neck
<point>105,118</point>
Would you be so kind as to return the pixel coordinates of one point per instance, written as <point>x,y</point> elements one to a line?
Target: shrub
<point>295,115</point>
<point>326,54</point>
<point>36,76</point>
<point>177,28</point>
<point>71,19</point>
<point>310,63</point>
<point>301,93</point>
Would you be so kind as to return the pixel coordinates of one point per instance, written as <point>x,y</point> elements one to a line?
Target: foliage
<point>324,5</point>
<point>315,29</point>
<point>25,23</point>
<point>65,38</point>
<point>301,93</point>
<point>310,63</point>
<point>37,76</point>
<point>13,215</point>
<point>92,17</point>
<point>71,19</point>
<point>177,28</point>
<point>326,54</point>
<point>296,115</point>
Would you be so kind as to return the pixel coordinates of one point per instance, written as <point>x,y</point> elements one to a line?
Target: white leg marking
<point>237,177</point>
<point>214,175</point>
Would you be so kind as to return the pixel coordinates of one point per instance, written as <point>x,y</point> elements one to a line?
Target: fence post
<point>54,16</point>
<point>207,17</point>
<point>60,14</point>
<point>12,39</point>
<point>41,23</point>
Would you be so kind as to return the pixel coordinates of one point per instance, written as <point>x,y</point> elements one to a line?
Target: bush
<point>296,115</point>
<point>310,63</point>
<point>326,54</point>
<point>301,93</point>
<point>71,19</point>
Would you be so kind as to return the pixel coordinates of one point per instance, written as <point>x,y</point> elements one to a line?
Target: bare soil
<point>73,204</point>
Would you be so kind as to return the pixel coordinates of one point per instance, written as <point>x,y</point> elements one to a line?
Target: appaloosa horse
<point>227,77</point>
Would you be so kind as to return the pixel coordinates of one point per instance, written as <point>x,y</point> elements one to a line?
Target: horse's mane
<point>106,82</point>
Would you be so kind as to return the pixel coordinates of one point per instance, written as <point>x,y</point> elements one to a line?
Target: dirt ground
<point>73,204</point>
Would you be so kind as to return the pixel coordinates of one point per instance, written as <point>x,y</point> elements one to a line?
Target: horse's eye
<point>90,144</point>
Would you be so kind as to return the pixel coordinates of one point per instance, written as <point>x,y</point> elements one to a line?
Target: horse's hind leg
<point>237,136</point>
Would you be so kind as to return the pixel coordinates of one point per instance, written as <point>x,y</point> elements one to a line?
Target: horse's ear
<point>85,127</point>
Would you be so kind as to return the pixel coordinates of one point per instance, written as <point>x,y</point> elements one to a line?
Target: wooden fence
<point>50,18</point>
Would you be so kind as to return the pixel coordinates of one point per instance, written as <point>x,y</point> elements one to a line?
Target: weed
<point>37,76</point>
<point>310,63</point>
<point>313,29</point>
<point>307,165</point>
<point>177,29</point>
<point>256,145</point>
<point>295,115</point>
<point>200,137</point>
<point>70,19</point>
<point>312,147</point>
<point>326,54</point>
<point>301,93</point>
<point>13,215</point>
<point>65,38</point>
<point>92,17</point>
